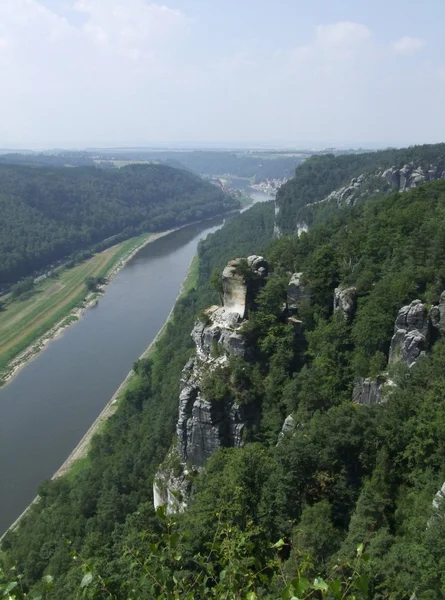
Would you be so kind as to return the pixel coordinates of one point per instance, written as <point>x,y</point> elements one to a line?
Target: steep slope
<point>360,296</point>
<point>348,178</point>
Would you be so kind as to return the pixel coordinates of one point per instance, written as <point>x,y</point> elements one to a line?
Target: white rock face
<point>236,286</point>
<point>348,194</point>
<point>439,498</point>
<point>235,289</point>
<point>296,292</point>
<point>205,426</point>
<point>171,486</point>
<point>345,300</point>
<point>410,176</point>
<point>367,391</point>
<point>276,228</point>
<point>410,334</point>
<point>302,227</point>
<point>437,315</point>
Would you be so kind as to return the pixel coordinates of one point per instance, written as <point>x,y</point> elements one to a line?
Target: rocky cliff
<point>410,176</point>
<point>377,183</point>
<point>206,424</point>
<point>411,334</point>
<point>415,331</point>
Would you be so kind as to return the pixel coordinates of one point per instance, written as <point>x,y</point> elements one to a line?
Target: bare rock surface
<point>203,425</point>
<point>410,334</point>
<point>345,300</point>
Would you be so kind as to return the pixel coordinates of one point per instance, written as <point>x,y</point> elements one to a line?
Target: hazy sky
<point>133,72</point>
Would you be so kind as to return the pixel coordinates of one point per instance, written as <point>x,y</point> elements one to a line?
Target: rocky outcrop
<point>205,424</point>
<point>302,227</point>
<point>437,316</point>
<point>238,281</point>
<point>346,195</point>
<point>276,227</point>
<point>367,391</point>
<point>410,176</point>
<point>171,485</point>
<point>439,498</point>
<point>345,300</point>
<point>288,427</point>
<point>410,334</point>
<point>297,292</point>
<point>404,179</point>
<point>415,331</point>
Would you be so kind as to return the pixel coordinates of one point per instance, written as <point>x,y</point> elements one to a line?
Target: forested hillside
<point>50,213</point>
<point>206,162</point>
<point>318,176</point>
<point>40,159</point>
<point>282,516</point>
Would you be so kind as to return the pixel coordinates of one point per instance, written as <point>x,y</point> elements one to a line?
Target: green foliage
<point>51,213</point>
<point>344,476</point>
<point>23,287</point>
<point>236,565</point>
<point>215,282</point>
<point>93,283</point>
<point>318,176</point>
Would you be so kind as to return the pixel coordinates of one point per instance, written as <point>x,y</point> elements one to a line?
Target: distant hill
<point>50,213</point>
<point>37,159</point>
<point>320,176</point>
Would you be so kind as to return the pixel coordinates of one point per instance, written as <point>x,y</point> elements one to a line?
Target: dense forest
<point>339,507</point>
<point>42,159</point>
<point>51,213</point>
<point>318,176</point>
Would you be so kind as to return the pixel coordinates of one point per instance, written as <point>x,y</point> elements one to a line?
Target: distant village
<point>269,186</point>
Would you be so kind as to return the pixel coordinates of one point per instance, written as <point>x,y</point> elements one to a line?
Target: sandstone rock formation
<point>410,176</point>
<point>367,391</point>
<point>346,195</point>
<point>204,425</point>
<point>302,227</point>
<point>437,316</point>
<point>288,426</point>
<point>171,486</point>
<point>296,293</point>
<point>410,334</point>
<point>276,227</point>
<point>345,300</point>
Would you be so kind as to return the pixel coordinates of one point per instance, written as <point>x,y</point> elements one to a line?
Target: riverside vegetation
<point>342,507</point>
<point>49,214</point>
<point>32,313</point>
<point>70,216</point>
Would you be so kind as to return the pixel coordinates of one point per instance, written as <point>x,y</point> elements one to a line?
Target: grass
<point>77,467</point>
<point>191,278</point>
<point>24,321</point>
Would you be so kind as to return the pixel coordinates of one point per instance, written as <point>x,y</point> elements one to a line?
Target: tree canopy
<point>48,214</point>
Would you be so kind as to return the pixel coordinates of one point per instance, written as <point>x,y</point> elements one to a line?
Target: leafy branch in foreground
<point>236,565</point>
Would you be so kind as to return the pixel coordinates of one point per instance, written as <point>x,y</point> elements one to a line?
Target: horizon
<point>104,73</point>
<point>204,147</point>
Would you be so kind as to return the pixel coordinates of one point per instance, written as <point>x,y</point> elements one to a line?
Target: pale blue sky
<point>135,72</point>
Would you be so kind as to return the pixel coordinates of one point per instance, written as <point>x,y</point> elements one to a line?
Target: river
<point>47,408</point>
